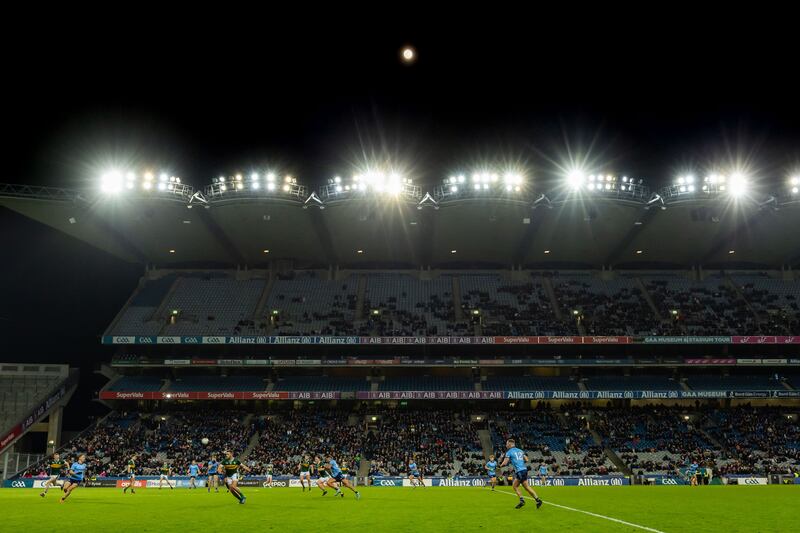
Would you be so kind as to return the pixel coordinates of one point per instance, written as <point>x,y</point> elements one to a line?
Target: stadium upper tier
<point>23,387</point>
<point>531,229</point>
<point>457,303</point>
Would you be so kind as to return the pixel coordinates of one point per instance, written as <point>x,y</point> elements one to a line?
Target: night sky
<point>646,94</point>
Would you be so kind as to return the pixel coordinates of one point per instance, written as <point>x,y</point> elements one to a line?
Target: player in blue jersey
<point>518,460</point>
<point>543,474</point>
<point>75,476</point>
<point>212,473</point>
<point>413,473</point>
<point>337,476</point>
<point>491,471</point>
<point>194,471</point>
<point>691,473</point>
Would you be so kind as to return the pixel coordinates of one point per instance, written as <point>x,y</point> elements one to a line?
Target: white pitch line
<point>617,520</point>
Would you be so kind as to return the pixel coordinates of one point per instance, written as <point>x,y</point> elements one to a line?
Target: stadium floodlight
<point>255,185</point>
<point>737,185</point>
<point>271,176</point>
<point>163,176</point>
<point>576,178</point>
<point>270,186</point>
<point>111,182</point>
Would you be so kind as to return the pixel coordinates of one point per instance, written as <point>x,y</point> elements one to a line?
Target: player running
<point>212,472</point>
<point>518,459</point>
<point>413,474</point>
<point>338,476</point>
<point>491,471</point>
<point>543,474</point>
<point>323,475</point>
<point>75,476</point>
<point>305,472</point>
<point>194,471</point>
<point>166,472</point>
<point>131,471</point>
<point>231,466</point>
<point>54,471</point>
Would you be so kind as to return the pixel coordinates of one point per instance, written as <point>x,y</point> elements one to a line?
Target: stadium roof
<point>371,231</point>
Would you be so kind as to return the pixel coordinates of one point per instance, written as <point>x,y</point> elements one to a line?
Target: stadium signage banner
<point>469,481</point>
<point>431,395</point>
<point>710,361</point>
<point>449,395</point>
<point>403,361</point>
<point>9,437</point>
<point>674,339</point>
<point>255,395</point>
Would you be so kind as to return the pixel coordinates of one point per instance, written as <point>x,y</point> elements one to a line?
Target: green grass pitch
<point>662,509</point>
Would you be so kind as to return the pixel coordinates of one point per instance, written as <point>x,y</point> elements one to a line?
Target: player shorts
<point>338,477</point>
<point>163,476</point>
<point>492,475</point>
<point>324,479</point>
<point>230,479</point>
<point>415,474</point>
<point>53,478</point>
<point>305,473</point>
<point>74,480</point>
<point>521,475</point>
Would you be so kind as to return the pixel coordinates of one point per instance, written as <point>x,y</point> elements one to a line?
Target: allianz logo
<point>462,483</point>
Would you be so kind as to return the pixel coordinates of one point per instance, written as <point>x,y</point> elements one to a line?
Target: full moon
<point>408,54</point>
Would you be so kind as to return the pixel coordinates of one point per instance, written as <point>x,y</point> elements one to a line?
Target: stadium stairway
<point>159,312</point>
<point>715,442</point>
<point>459,312</point>
<point>363,470</point>
<point>251,445</point>
<point>738,291</point>
<point>551,295</point>
<point>258,314</point>
<point>608,452</point>
<point>649,299</point>
<point>124,309</point>
<point>486,442</point>
<point>361,290</point>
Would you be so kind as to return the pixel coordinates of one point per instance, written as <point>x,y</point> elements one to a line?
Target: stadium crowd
<point>575,439</point>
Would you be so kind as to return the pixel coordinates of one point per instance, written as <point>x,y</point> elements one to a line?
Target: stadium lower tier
<point>373,440</point>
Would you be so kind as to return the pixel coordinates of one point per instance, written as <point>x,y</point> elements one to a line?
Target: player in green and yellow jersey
<point>230,468</point>
<point>165,472</point>
<point>323,476</point>
<point>130,470</point>
<point>305,472</point>
<point>54,469</point>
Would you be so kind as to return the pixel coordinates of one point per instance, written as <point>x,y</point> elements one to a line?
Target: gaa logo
<point>18,484</point>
